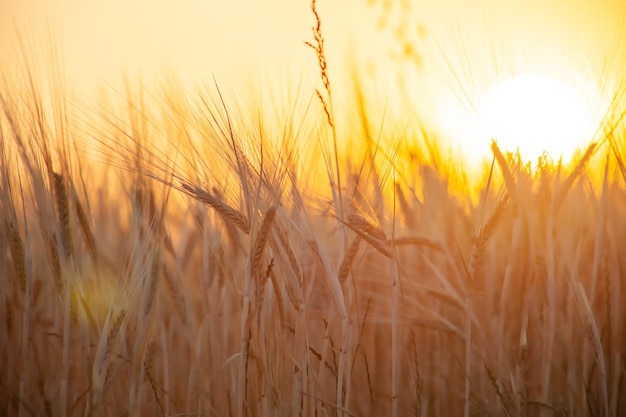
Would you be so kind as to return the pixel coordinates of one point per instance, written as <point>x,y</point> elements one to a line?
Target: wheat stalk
<point>63,212</point>
<point>85,229</point>
<point>565,187</point>
<point>591,325</point>
<point>261,240</point>
<point>227,212</point>
<point>283,237</point>
<point>509,180</point>
<point>348,259</point>
<point>16,247</point>
<point>318,47</point>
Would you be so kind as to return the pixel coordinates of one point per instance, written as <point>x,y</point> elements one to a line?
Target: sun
<point>537,115</point>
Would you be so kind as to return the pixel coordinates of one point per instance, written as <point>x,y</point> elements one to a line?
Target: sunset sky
<point>442,56</point>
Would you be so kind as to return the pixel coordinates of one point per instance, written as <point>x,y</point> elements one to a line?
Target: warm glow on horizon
<point>532,114</point>
<point>447,64</point>
<point>536,115</point>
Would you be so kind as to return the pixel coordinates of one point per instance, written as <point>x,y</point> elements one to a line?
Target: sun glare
<point>537,115</point>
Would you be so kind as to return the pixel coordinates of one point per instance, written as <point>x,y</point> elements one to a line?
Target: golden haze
<point>435,61</point>
<point>270,243</point>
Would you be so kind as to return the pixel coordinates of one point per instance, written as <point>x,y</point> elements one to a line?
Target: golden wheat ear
<point>85,228</point>
<point>227,212</point>
<point>62,200</point>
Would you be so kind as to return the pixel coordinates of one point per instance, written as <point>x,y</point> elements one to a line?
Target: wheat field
<point>183,254</point>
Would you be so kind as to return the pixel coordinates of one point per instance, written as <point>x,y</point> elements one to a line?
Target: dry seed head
<point>63,212</point>
<point>316,252</point>
<point>268,272</point>
<point>261,241</point>
<point>416,241</point>
<point>227,212</point>
<point>112,336</point>
<point>278,295</point>
<point>329,119</point>
<point>16,247</point>
<point>318,47</point>
<point>291,256</point>
<point>263,281</point>
<point>296,302</point>
<point>487,231</point>
<point>85,229</point>
<point>569,181</point>
<point>381,247</point>
<point>55,262</point>
<point>371,234</point>
<point>117,325</point>
<point>360,223</point>
<point>231,227</point>
<point>506,172</point>
<point>348,259</point>
<point>481,240</point>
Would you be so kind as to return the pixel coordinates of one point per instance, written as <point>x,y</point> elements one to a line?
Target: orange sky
<point>233,39</point>
<point>209,35</point>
